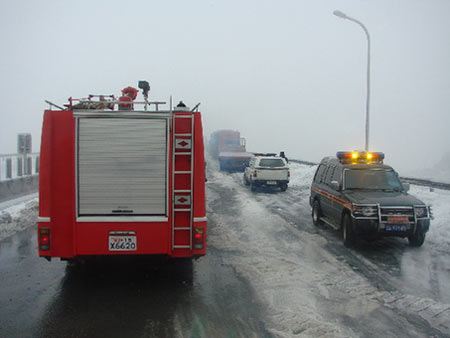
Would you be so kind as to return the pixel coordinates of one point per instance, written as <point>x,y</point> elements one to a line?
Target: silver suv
<point>267,171</point>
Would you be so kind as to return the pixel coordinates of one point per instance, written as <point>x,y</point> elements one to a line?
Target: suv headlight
<point>365,210</point>
<point>421,212</point>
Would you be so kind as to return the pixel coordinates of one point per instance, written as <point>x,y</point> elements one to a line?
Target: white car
<point>267,171</point>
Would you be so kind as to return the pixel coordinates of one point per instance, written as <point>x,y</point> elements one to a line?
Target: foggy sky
<point>289,75</point>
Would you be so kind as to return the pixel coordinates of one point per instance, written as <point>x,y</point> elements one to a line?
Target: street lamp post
<point>344,16</point>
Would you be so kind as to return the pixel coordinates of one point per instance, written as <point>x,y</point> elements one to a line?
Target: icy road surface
<point>310,285</point>
<point>269,272</point>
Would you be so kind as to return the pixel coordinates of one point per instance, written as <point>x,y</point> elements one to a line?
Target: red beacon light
<point>360,157</point>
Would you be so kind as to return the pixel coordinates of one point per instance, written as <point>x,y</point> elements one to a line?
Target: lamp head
<point>340,14</point>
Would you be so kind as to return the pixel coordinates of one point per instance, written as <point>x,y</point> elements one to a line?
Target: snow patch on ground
<point>439,234</point>
<point>18,217</point>
<point>301,175</point>
<point>277,269</point>
<point>292,272</point>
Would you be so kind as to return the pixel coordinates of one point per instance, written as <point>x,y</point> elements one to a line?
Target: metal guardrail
<point>35,170</point>
<point>415,181</point>
<point>14,166</point>
<point>426,183</point>
<point>303,162</point>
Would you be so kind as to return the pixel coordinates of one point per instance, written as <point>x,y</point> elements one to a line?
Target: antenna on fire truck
<point>195,108</point>
<point>54,105</point>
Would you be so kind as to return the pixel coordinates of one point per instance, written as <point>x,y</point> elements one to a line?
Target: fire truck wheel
<point>347,231</point>
<point>417,238</point>
<point>316,213</point>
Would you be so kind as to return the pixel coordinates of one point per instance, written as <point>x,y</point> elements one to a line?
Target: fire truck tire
<point>316,213</point>
<point>417,239</point>
<point>348,235</point>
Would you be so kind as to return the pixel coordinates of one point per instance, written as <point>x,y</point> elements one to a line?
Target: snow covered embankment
<point>18,217</point>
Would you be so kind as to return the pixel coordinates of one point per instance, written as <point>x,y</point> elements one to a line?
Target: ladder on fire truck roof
<point>183,167</point>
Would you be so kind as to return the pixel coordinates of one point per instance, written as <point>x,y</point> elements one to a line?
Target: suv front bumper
<point>372,227</point>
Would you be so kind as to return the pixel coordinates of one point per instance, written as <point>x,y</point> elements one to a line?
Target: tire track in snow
<point>436,314</point>
<point>248,237</point>
<point>328,279</point>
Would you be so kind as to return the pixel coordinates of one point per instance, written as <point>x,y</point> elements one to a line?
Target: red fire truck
<point>121,182</point>
<point>229,148</point>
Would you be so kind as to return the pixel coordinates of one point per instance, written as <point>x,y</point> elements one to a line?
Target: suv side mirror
<point>406,186</point>
<point>334,185</point>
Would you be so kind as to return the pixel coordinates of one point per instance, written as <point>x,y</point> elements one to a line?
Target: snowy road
<point>120,298</point>
<point>310,285</point>
<point>268,273</point>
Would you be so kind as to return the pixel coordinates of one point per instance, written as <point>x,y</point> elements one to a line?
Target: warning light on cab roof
<point>359,157</point>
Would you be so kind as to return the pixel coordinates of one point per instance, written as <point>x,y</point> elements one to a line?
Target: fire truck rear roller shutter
<point>122,166</point>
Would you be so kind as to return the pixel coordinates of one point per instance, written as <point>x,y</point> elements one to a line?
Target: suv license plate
<point>398,228</point>
<point>122,243</point>
<point>398,219</point>
<point>271,182</point>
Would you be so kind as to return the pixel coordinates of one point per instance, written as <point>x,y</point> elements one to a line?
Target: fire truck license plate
<point>122,243</point>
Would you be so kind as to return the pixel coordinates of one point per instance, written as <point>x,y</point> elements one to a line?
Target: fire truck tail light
<point>44,239</point>
<point>198,238</point>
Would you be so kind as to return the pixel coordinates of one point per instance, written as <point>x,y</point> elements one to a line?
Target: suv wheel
<point>316,213</point>
<point>246,182</point>
<point>348,235</point>
<point>417,238</point>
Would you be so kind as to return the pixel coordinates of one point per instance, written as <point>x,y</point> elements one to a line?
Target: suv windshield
<point>272,162</point>
<point>372,179</point>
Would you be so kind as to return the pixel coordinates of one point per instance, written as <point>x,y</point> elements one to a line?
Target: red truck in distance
<point>228,147</point>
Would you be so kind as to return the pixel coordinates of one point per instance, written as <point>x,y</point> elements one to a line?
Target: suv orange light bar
<point>359,157</point>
